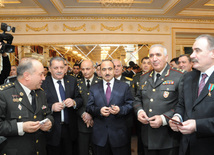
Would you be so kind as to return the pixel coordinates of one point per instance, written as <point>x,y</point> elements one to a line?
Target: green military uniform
<point>84,131</point>
<point>15,107</point>
<point>157,98</point>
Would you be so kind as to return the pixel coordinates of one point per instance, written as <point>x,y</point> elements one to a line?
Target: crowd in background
<point>94,110</point>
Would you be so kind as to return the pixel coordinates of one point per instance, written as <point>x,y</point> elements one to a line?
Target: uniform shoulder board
<point>128,78</point>
<point>146,72</point>
<point>99,78</point>
<point>6,86</point>
<point>178,70</point>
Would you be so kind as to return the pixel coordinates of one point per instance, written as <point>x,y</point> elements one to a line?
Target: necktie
<point>202,83</point>
<point>33,100</point>
<point>62,94</point>
<point>157,77</point>
<point>88,84</point>
<point>108,93</point>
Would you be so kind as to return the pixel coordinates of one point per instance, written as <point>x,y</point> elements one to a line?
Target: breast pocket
<point>168,91</point>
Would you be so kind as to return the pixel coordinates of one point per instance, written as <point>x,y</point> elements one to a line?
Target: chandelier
<point>109,3</point>
<point>1,3</point>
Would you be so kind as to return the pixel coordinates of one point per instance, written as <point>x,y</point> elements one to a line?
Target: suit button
<point>37,141</point>
<point>150,110</point>
<point>153,90</point>
<point>20,117</point>
<point>151,100</point>
<point>37,153</point>
<point>34,116</point>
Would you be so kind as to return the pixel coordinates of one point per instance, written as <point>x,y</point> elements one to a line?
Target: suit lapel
<point>25,101</point>
<point>101,90</point>
<point>205,90</point>
<point>52,89</point>
<point>151,79</point>
<point>115,89</point>
<point>67,85</point>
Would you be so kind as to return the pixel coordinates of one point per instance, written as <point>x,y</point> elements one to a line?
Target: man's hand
<point>155,121</point>
<point>31,127</point>
<point>188,127</point>
<point>105,111</point>
<point>142,117</point>
<point>173,125</point>
<point>46,126</point>
<point>69,102</point>
<point>86,117</point>
<point>114,109</point>
<point>57,107</point>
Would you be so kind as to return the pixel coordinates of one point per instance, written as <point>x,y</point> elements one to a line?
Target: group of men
<point>61,114</point>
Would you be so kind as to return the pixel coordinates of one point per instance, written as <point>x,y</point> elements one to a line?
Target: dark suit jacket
<point>112,127</point>
<point>157,99</point>
<point>84,94</point>
<point>71,91</point>
<point>15,107</point>
<point>6,69</point>
<point>202,110</point>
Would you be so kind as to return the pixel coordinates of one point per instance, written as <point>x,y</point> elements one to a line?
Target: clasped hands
<point>106,111</point>
<point>31,126</point>
<point>154,121</point>
<point>188,127</point>
<point>86,117</point>
<point>58,106</point>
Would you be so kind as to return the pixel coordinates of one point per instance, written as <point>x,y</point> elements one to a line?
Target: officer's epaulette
<point>145,73</point>
<point>128,78</point>
<point>178,70</point>
<point>79,80</point>
<point>6,86</point>
<point>99,78</point>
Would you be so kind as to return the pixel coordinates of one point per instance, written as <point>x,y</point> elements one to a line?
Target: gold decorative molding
<point>148,28</point>
<point>74,28</point>
<point>111,28</point>
<point>36,28</point>
<point>117,19</point>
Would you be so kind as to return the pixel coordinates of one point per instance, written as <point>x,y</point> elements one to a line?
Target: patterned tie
<point>157,77</point>
<point>202,83</point>
<point>62,94</point>
<point>108,93</point>
<point>88,84</point>
<point>33,100</point>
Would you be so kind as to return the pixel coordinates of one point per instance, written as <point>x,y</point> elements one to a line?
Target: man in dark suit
<point>157,95</point>
<point>64,99</point>
<point>85,120</point>
<point>196,107</point>
<point>22,106</point>
<point>109,102</point>
<point>118,75</point>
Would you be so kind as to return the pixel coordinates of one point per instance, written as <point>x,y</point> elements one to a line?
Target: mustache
<point>194,60</point>
<point>60,73</point>
<point>107,75</point>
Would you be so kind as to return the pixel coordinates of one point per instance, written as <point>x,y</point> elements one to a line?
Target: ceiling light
<point>74,52</point>
<point>2,3</point>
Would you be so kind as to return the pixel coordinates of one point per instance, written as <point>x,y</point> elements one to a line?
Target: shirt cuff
<point>20,128</point>
<point>139,111</point>
<point>163,120</point>
<point>178,115</point>
<point>75,105</point>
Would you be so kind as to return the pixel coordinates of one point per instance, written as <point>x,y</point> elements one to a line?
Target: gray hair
<point>117,60</point>
<point>210,40</point>
<point>161,46</point>
<point>57,59</point>
<point>25,65</point>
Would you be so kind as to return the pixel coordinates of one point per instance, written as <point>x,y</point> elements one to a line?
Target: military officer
<point>158,94</point>
<point>85,121</point>
<point>24,113</point>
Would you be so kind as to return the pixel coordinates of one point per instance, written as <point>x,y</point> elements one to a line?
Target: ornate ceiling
<point>143,8</point>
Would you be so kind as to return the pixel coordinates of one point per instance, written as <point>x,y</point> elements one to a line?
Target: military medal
<point>210,88</point>
<point>21,93</point>
<point>165,94</point>
<point>96,81</point>
<point>143,86</point>
<point>19,107</point>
